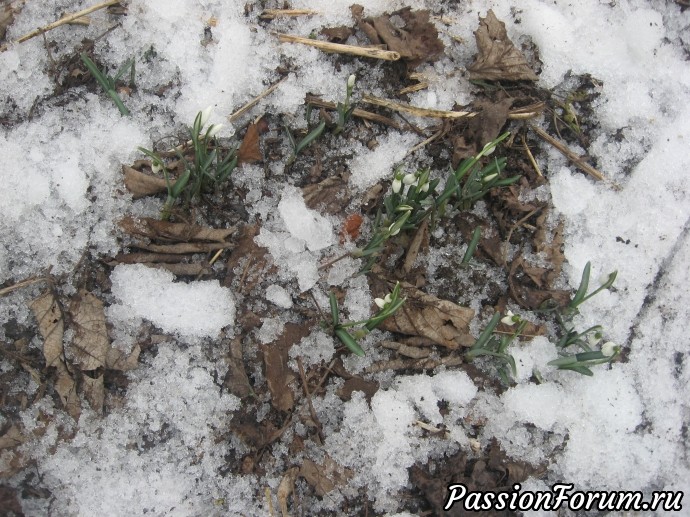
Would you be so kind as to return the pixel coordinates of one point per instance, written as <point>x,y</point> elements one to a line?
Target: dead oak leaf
<point>441,321</point>
<point>94,392</point>
<point>325,477</point>
<point>415,39</point>
<point>51,326</point>
<point>498,58</point>
<point>66,388</point>
<point>91,342</point>
<point>141,185</point>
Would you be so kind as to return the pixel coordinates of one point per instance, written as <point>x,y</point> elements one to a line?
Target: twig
<point>512,229</point>
<point>62,21</point>
<point>314,417</point>
<point>426,142</point>
<point>374,53</point>
<point>413,88</point>
<point>360,113</point>
<point>270,14</point>
<point>253,102</point>
<point>565,151</point>
<point>22,284</point>
<point>531,157</point>
<point>412,110</point>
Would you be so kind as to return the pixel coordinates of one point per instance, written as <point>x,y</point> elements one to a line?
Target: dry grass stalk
<point>270,14</point>
<point>386,55</point>
<point>412,110</point>
<point>70,18</point>
<point>565,151</point>
<point>360,113</point>
<point>268,91</point>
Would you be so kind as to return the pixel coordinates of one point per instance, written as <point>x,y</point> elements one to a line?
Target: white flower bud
<point>387,298</point>
<point>508,319</point>
<point>425,187</point>
<point>609,349</point>
<point>488,178</point>
<point>396,186</point>
<point>213,130</point>
<point>351,81</point>
<point>409,179</point>
<point>205,115</point>
<point>380,302</point>
<point>395,232</point>
<point>488,149</point>
<point>155,168</point>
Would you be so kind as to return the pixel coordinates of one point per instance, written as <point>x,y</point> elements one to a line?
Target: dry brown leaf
<point>369,388</point>
<point>405,350</point>
<point>421,237</point>
<point>416,41</point>
<point>527,296</point>
<point>249,151</point>
<point>278,375</point>
<point>12,438</point>
<point>50,325</point>
<point>116,359</point>
<point>330,195</point>
<point>337,34</point>
<point>94,392</point>
<point>7,13</point>
<point>91,342</point>
<point>156,229</point>
<point>325,477</point>
<point>287,485</point>
<point>481,129</point>
<point>142,185</point>
<point>9,499</point>
<point>236,380</point>
<point>498,58</point>
<point>66,388</point>
<point>442,321</point>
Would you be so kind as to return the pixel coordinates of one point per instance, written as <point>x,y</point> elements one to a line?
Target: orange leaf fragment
<point>350,230</point>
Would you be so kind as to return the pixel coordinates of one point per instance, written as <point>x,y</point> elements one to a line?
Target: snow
<point>623,429</point>
<point>193,310</point>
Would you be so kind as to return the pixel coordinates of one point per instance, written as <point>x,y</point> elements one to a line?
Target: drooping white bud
<point>409,179</point>
<point>609,349</point>
<point>508,319</point>
<point>380,302</point>
<point>351,81</point>
<point>205,115</point>
<point>213,130</point>
<point>396,186</point>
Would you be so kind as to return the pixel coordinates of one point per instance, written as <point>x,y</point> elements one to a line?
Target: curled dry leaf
<point>236,380</point>
<point>442,321</point>
<point>481,129</point>
<point>50,325</point>
<point>527,296</point>
<point>326,476</point>
<point>142,185</point>
<point>173,232</point>
<point>330,195</point>
<point>416,40</point>
<point>287,485</point>
<point>278,375</point>
<point>116,359</point>
<point>498,58</point>
<point>91,342</point>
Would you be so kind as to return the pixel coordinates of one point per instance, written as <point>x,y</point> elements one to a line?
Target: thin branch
<point>270,14</point>
<point>386,55</point>
<point>360,113</point>
<point>268,91</point>
<point>62,21</point>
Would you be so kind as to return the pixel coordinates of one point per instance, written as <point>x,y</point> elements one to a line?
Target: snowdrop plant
<point>209,167</point>
<point>346,108</point>
<point>108,83</point>
<point>493,345</point>
<point>387,305</point>
<point>470,181</point>
<point>585,340</point>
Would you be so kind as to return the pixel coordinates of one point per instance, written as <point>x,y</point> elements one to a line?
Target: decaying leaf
<point>93,391</point>
<point>156,229</point>
<point>50,325</point>
<point>12,438</point>
<point>356,383</point>
<point>141,185</point>
<point>415,39</point>
<point>442,321</point>
<point>278,375</point>
<point>66,388</point>
<point>91,342</point>
<point>236,380</point>
<point>337,34</point>
<point>250,151</point>
<point>550,245</point>
<point>331,195</point>
<point>405,350</point>
<point>421,238</point>
<point>287,485</point>
<point>7,12</point>
<point>325,477</point>
<point>116,359</point>
<point>526,295</point>
<point>498,58</point>
<point>482,128</point>
<point>249,257</point>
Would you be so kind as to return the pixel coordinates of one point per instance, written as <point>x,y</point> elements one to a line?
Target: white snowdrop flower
<point>351,81</point>
<point>393,232</point>
<point>387,298</point>
<point>508,319</point>
<point>403,208</point>
<point>396,186</point>
<point>604,277</point>
<point>609,349</point>
<point>205,115</point>
<point>490,177</point>
<point>213,130</point>
<point>155,168</point>
<point>488,149</point>
<point>593,339</point>
<point>425,187</point>
<point>409,179</point>
<point>380,302</point>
